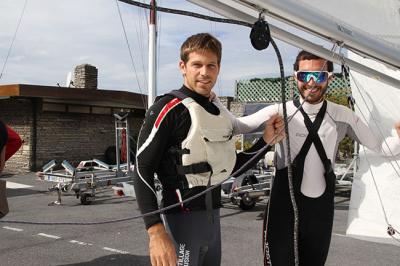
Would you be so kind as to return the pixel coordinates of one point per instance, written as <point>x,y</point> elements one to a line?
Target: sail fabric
<point>378,104</point>
<point>375,17</point>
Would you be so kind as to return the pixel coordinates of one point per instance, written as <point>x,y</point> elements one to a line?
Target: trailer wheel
<point>85,200</point>
<point>247,203</point>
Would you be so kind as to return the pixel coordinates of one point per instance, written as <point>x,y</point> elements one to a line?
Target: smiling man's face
<point>200,72</point>
<point>311,91</point>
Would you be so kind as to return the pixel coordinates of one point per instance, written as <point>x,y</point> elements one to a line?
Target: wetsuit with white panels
<point>193,226</point>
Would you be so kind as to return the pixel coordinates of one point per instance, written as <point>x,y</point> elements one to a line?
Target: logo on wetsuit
<point>184,256</point>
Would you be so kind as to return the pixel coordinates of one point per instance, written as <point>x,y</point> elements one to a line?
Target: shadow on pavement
<point>115,260</point>
<point>22,192</point>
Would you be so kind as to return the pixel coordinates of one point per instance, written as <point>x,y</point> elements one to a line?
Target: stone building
<point>65,123</point>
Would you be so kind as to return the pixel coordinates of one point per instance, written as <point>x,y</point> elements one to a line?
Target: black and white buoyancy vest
<point>209,141</point>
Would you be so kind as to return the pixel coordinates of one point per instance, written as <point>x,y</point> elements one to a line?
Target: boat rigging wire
<point>13,39</point>
<point>131,55</point>
<point>187,13</point>
<point>235,174</point>
<point>158,33</point>
<point>391,231</point>
<point>376,124</point>
<point>142,16</point>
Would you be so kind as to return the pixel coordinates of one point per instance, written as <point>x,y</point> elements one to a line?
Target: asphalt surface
<point>126,243</point>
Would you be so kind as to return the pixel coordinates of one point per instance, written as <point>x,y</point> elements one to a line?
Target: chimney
<point>85,77</point>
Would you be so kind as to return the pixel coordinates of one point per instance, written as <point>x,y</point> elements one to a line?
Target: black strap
<point>176,151</point>
<point>313,136</point>
<point>178,94</point>
<point>195,168</point>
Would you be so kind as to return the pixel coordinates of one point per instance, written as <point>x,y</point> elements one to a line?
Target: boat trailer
<point>91,176</point>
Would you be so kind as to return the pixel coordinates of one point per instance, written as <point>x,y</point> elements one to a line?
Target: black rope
<point>13,39</point>
<point>235,174</point>
<point>238,172</point>
<point>187,13</point>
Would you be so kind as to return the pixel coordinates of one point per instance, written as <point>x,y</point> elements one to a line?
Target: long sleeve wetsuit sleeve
<point>249,123</point>
<point>363,134</point>
<point>152,144</point>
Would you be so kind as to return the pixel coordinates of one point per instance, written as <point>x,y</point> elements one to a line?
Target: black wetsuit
<point>166,125</point>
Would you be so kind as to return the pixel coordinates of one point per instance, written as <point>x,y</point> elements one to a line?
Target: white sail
<point>379,104</point>
<point>369,28</point>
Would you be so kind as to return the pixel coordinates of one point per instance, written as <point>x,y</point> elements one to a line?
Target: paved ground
<point>125,243</point>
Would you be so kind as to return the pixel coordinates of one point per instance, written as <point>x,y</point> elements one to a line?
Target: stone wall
<point>236,108</point>
<point>17,113</point>
<point>76,137</point>
<point>60,135</point>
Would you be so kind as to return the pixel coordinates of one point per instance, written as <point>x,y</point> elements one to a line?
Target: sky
<point>55,36</point>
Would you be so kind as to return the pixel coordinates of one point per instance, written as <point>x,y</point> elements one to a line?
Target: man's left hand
<point>274,130</point>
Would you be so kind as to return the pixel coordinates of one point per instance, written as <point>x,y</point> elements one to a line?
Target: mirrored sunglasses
<point>317,76</point>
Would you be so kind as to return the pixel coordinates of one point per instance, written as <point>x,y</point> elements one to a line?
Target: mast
<point>152,55</point>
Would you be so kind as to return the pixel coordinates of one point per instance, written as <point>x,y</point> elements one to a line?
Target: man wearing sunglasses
<point>316,127</point>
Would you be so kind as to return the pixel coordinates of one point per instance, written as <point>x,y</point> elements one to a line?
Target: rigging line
<point>158,51</point>
<point>341,58</point>
<point>145,41</point>
<point>235,174</point>
<point>187,13</point>
<point>130,54</point>
<point>188,199</point>
<point>378,127</point>
<point>146,16</point>
<point>386,155</point>
<point>139,34</point>
<point>380,200</point>
<point>289,163</point>
<point>213,30</point>
<point>288,158</point>
<point>13,39</point>
<point>390,230</point>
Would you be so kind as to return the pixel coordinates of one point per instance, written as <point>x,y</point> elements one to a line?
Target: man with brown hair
<point>187,142</point>
<point>315,132</point>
